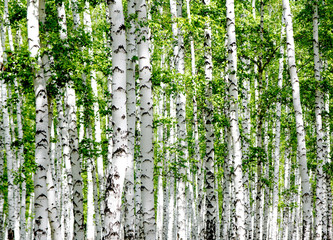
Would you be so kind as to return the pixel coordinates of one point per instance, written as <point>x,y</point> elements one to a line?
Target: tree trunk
<point>320,179</point>
<point>209,159</point>
<point>116,175</point>
<point>301,148</point>
<point>146,107</point>
<point>42,134</point>
<point>234,124</point>
<point>277,145</point>
<point>131,118</point>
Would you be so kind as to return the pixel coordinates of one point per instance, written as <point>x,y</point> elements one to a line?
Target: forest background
<point>166,119</point>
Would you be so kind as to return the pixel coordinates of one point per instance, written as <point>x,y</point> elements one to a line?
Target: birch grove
<point>166,119</point>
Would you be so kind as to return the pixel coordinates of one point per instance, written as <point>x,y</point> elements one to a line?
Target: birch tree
<point>301,147</point>
<point>209,160</point>
<point>234,124</point>
<point>42,133</point>
<point>320,192</point>
<point>277,145</point>
<point>116,175</point>
<point>131,118</point>
<point>146,112</point>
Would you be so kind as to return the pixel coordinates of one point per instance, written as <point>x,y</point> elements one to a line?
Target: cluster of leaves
<point>19,66</point>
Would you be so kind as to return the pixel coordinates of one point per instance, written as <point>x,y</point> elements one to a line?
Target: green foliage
<point>20,66</point>
<point>17,12</point>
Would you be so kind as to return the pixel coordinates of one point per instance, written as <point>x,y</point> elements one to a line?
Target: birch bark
<point>9,158</point>
<point>97,118</point>
<point>146,107</point>
<point>77,190</point>
<point>301,147</point>
<point>42,134</point>
<point>209,159</point>
<point>234,124</point>
<point>277,145</point>
<point>7,140</point>
<point>182,156</point>
<point>131,118</point>
<point>320,179</point>
<point>116,175</point>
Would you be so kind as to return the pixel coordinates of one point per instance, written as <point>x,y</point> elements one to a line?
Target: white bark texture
<point>97,119</point>
<point>42,133</point>
<point>77,187</point>
<point>246,125</point>
<point>131,118</point>
<point>54,218</point>
<point>277,145</point>
<point>301,148</point>
<point>171,179</point>
<point>159,139</point>
<point>327,155</point>
<point>182,156</point>
<point>234,124</point>
<point>7,139</point>
<point>226,204</point>
<point>91,223</point>
<point>146,112</point>
<point>209,159</point>
<point>320,178</point>
<point>116,175</point>
<point>10,163</point>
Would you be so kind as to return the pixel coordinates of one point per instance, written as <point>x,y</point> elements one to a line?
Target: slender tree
<point>146,113</point>
<point>209,159</point>
<point>320,192</point>
<point>42,134</point>
<point>301,147</point>
<point>131,118</point>
<point>234,124</point>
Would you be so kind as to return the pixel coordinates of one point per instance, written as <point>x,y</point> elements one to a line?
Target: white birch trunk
<point>54,218</point>
<point>234,124</point>
<point>320,178</point>
<point>31,218</point>
<point>20,155</point>
<point>7,140</point>
<point>77,189</point>
<point>75,162</point>
<point>182,156</point>
<point>21,159</point>
<point>301,147</point>
<point>97,119</point>
<point>209,159</point>
<point>246,124</point>
<point>66,176</point>
<point>328,189</point>
<point>146,107</point>
<point>116,175</point>
<point>171,178</point>
<point>277,146</point>
<point>91,223</point>
<point>42,134</point>
<point>173,216</point>
<point>259,219</point>
<point>226,205</point>
<point>131,118</point>
<point>10,163</point>
<point>139,234</point>
<point>160,190</point>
